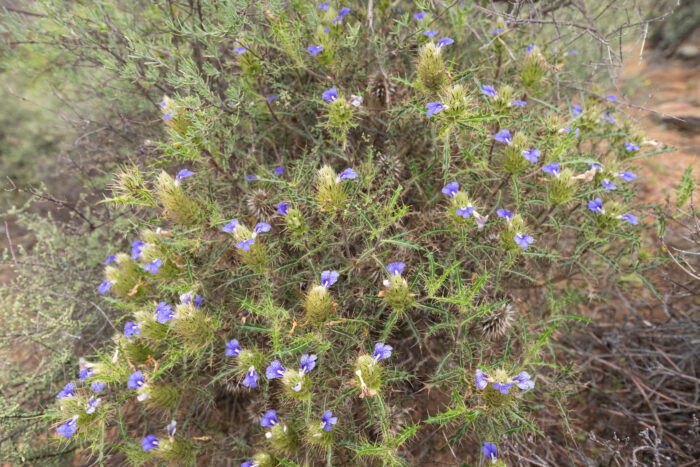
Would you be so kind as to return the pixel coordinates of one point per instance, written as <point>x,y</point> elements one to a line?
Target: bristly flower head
<point>67,391</point>
<point>488,90</point>
<point>532,155</point>
<point>329,278</point>
<point>279,170</point>
<point>432,33</point>
<point>552,169</point>
<point>230,227</point>
<point>608,185</point>
<point>523,240</point>
<point>490,451</point>
<point>420,15</point>
<point>626,176</point>
<point>381,352</point>
<point>596,205</point>
<point>308,362</point>
<point>110,258</point>
<point>505,214</point>
<point>347,174</point>
<point>576,110</point>
<point>153,266</point>
<point>282,208</point>
<point>104,287</point>
<point>314,49</point>
<point>269,419</point>
<point>275,370</point>
<point>135,380</point>
<point>631,218</point>
<point>631,147</point>
<point>434,107</point>
<point>465,211</point>
<point>519,103</point>
<point>150,442</point>
<point>329,95</point>
<point>396,269</point>
<point>251,378</point>
<point>131,329</point>
<point>451,189</point>
<point>68,429</point>
<point>445,41</point>
<point>183,174</point>
<point>328,420</point>
<point>136,248</point>
<point>164,313</point>
<point>233,348</point>
<point>98,386</point>
<point>92,405</point>
<point>503,136</point>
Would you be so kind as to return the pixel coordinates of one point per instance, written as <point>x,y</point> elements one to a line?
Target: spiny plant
<point>346,267</point>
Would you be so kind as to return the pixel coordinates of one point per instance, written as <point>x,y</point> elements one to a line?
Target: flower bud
<point>514,161</point>
<point>175,117</point>
<point>176,203</point>
<point>127,277</point>
<point>194,327</point>
<point>432,75</point>
<point>283,438</point>
<point>340,119</point>
<point>368,374</point>
<point>319,305</point>
<point>397,293</point>
<point>533,69</point>
<point>296,222</point>
<point>296,384</point>
<point>176,451</point>
<point>330,193</point>
<point>561,190</point>
<point>160,396</point>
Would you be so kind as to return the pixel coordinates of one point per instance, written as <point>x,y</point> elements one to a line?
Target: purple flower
<point>184,173</point>
<point>110,258</point>
<point>136,248</point>
<point>98,386</point>
<point>503,136</point>
<point>626,176</point>
<point>395,269</point>
<point>240,50</point>
<point>567,130</point>
<point>323,6</point>
<point>432,33</point>
<point>482,379</point>
<point>261,227</point>
<point>343,13</point>
<point>248,464</point>
<point>282,208</point>
<point>230,227</point>
<point>381,351</point>
<point>232,348</point>
<point>272,98</point>
<point>131,329</point>
<point>496,31</point>
<point>523,381</point>
<point>552,169</point>
<point>434,107</point>
<point>596,205</point>
<point>135,380</point>
<point>269,419</point>
<point>251,177</point>
<point>171,428</point>
<point>480,220</point>
<point>104,287</point>
<point>164,313</point>
<point>595,167</point>
<point>572,52</point>
<point>314,49</point>
<point>631,218</point>
<point>326,30</point>
<point>607,117</point>
<point>576,110</point>
<point>611,97</point>
<point>198,301</point>
<point>68,429</point>
<point>162,103</point>
<point>93,404</point>
<point>631,147</point>
<point>532,155</point>
<point>608,185</point>
<point>445,41</point>
<point>245,244</point>
<point>490,450</point>
<point>519,103</point>
<point>328,420</point>
<point>329,278</point>
<point>330,95</point>
<point>503,387</point>
<point>308,362</point>
<point>85,374</point>
<point>465,212</point>
<point>150,442</point>
<point>275,370</point>
<point>505,214</point>
<point>420,15</point>
<point>153,266</point>
<point>524,240</point>
<point>167,116</point>
<point>529,48</point>
<point>67,391</point>
<point>251,378</point>
<point>488,90</point>
<point>279,170</point>
<point>451,189</point>
<point>348,174</point>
